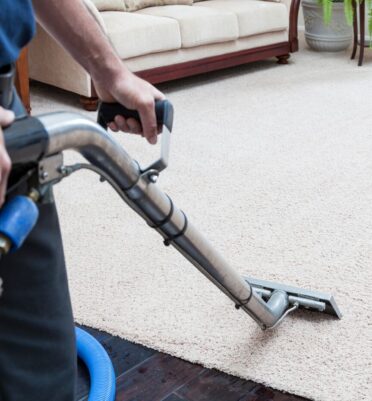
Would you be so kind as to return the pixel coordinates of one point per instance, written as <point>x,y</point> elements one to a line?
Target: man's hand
<point>136,94</point>
<point>6,118</point>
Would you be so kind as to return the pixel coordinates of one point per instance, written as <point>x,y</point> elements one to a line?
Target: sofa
<point>163,40</point>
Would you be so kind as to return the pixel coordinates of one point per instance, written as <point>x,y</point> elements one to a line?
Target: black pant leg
<point>37,338</point>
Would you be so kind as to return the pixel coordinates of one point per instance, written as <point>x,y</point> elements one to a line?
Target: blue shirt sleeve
<point>17,27</point>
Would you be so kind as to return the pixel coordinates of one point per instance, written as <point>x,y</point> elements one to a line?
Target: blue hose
<point>101,371</point>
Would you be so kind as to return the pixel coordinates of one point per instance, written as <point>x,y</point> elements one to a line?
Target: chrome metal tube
<point>72,131</point>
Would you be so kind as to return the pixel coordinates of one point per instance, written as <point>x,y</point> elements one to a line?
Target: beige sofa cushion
<point>254,17</point>
<point>134,5</point>
<point>134,34</point>
<point>201,52</point>
<point>199,25</point>
<point>109,5</point>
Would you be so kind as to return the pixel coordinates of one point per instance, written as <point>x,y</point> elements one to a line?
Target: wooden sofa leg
<point>89,103</point>
<point>283,59</point>
<point>22,80</point>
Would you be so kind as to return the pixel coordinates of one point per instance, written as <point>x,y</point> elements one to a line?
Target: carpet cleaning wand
<point>40,143</point>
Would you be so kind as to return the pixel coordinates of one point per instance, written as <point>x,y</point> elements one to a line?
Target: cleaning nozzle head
<point>306,299</point>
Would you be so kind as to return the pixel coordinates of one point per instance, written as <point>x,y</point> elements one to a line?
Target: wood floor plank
<point>144,374</point>
<point>267,394</point>
<point>217,386</point>
<point>155,379</point>
<point>287,397</point>
<point>174,397</point>
<point>123,354</point>
<point>263,393</point>
<point>98,334</point>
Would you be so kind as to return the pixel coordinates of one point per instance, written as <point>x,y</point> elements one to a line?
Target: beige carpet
<point>274,164</point>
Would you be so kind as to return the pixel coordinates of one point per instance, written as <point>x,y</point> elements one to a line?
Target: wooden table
<point>361,42</point>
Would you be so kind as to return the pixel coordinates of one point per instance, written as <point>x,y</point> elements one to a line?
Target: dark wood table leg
<point>362,31</point>
<point>355,29</point>
<point>22,82</point>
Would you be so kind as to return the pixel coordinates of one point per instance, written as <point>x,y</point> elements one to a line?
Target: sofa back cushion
<point>134,5</point>
<point>109,5</point>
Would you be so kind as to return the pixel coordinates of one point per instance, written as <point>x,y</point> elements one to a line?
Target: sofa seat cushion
<point>199,25</point>
<point>135,35</point>
<point>254,17</point>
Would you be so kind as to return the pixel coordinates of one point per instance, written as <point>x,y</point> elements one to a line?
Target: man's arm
<point>72,25</point>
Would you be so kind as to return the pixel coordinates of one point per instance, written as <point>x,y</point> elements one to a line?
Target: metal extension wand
<point>41,142</point>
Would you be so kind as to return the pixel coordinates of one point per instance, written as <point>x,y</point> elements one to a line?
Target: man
<point>37,342</point>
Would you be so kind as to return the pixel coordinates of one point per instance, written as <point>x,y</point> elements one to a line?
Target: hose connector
<point>17,219</point>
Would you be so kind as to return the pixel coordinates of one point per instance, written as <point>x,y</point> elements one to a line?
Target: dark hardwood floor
<point>147,375</point>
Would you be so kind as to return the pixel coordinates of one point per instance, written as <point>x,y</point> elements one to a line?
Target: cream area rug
<point>274,164</point>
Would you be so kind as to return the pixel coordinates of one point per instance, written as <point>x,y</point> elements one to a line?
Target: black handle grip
<point>163,110</point>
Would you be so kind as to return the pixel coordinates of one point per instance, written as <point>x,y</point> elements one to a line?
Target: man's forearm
<point>72,25</point>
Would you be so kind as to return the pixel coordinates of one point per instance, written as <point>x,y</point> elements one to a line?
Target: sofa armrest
<point>287,3</point>
<point>293,9</point>
<point>96,14</point>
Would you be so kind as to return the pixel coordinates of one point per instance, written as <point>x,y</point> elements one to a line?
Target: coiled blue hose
<point>101,371</point>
